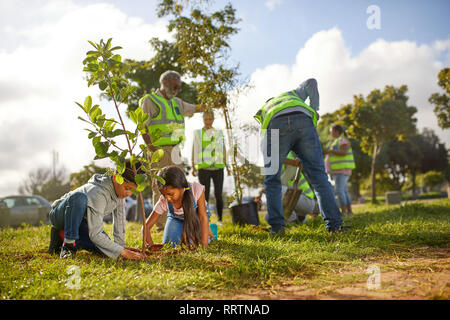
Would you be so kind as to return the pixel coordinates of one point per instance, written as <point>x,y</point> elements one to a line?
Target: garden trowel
<point>292,195</point>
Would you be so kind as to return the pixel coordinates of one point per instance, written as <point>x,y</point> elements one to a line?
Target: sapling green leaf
<point>141,181</point>
<point>94,113</point>
<point>87,104</point>
<point>133,160</point>
<point>160,179</point>
<point>92,134</point>
<point>120,165</point>
<point>119,179</point>
<point>102,85</point>
<point>82,119</point>
<point>157,156</point>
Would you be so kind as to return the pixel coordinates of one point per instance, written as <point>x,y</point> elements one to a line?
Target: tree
<point>106,70</point>
<point>201,40</point>
<point>77,179</point>
<point>381,117</point>
<point>434,152</point>
<point>402,159</point>
<point>46,182</point>
<point>442,101</point>
<point>431,179</point>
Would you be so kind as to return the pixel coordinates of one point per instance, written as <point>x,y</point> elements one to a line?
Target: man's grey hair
<point>167,75</point>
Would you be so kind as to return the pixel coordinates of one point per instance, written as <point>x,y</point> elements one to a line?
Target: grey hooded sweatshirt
<point>102,200</point>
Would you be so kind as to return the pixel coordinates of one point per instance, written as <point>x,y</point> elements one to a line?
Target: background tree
<point>381,117</point>
<point>442,101</point>
<point>49,183</point>
<point>77,179</point>
<point>402,159</point>
<point>432,178</point>
<point>202,41</point>
<point>435,155</point>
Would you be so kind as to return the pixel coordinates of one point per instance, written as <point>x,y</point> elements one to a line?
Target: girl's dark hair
<point>174,177</point>
<point>339,129</point>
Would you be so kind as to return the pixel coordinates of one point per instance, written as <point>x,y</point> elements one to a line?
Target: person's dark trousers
<point>69,215</point>
<point>217,176</point>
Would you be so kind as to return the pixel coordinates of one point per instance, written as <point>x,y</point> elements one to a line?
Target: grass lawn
<point>244,263</point>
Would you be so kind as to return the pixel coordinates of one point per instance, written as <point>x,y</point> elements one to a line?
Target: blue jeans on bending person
<point>297,133</point>
<point>69,215</point>
<point>340,183</point>
<point>173,230</point>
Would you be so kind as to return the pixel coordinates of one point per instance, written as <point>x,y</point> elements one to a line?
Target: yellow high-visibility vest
<point>208,147</point>
<point>346,161</point>
<point>302,182</point>
<point>168,114</point>
<point>283,101</point>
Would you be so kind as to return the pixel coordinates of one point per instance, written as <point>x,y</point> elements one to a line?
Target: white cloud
<point>341,75</point>
<point>42,78</point>
<point>272,4</point>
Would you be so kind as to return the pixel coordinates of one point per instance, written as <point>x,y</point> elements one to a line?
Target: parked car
<point>15,210</point>
<point>130,210</point>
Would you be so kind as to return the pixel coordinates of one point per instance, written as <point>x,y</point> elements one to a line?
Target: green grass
<point>243,258</point>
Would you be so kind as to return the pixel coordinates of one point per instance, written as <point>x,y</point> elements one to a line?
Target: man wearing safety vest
<point>209,160</point>
<point>306,202</point>
<point>288,118</point>
<point>166,110</point>
<point>339,163</point>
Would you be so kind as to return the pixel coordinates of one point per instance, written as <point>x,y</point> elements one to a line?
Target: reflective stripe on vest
<point>341,162</point>
<point>160,125</point>
<point>208,147</point>
<point>283,101</point>
<point>302,182</point>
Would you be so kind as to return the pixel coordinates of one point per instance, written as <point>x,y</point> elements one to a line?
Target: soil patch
<point>424,275</point>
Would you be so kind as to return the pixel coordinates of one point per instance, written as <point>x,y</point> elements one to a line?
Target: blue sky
<point>273,36</point>
<point>280,44</point>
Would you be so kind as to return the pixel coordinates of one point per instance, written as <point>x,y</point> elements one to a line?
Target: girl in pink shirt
<point>187,218</point>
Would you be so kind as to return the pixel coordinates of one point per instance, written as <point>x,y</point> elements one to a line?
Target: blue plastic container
<point>214,230</point>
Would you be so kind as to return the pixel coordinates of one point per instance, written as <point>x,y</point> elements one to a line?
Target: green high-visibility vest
<point>208,147</point>
<point>283,101</point>
<point>169,113</point>
<point>302,182</point>
<point>341,162</point>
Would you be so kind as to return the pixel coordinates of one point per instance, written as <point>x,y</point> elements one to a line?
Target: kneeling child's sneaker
<point>68,250</point>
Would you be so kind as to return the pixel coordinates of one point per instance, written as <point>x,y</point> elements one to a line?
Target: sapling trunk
<point>237,180</point>
<point>144,233</point>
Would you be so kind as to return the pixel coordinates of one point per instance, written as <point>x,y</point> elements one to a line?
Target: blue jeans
<point>297,133</point>
<point>173,230</point>
<point>340,181</point>
<point>68,215</point>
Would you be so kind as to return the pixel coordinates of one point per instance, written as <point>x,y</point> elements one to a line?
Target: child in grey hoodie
<point>79,215</point>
